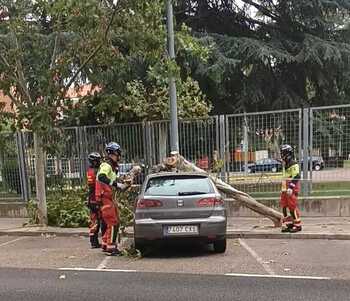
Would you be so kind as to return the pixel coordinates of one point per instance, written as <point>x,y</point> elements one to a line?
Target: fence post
<point>148,143</point>
<point>311,126</point>
<point>305,157</point>
<point>245,144</point>
<point>222,144</point>
<point>22,167</point>
<point>82,151</point>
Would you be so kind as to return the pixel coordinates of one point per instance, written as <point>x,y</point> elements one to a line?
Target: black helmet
<point>287,152</point>
<point>113,148</point>
<point>94,159</point>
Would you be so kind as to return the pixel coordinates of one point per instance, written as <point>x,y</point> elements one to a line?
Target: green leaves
<point>267,54</point>
<point>65,208</point>
<point>152,103</point>
<point>57,45</point>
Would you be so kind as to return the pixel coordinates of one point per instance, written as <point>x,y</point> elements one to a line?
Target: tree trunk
<point>242,197</point>
<point>40,179</point>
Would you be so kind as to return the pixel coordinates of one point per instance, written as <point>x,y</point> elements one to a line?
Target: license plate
<point>182,229</point>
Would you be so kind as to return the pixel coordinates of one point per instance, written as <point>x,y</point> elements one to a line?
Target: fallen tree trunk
<point>242,197</point>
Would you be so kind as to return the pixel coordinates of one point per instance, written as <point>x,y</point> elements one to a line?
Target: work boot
<point>286,228</point>
<point>295,229</point>
<point>113,252</point>
<point>94,242</point>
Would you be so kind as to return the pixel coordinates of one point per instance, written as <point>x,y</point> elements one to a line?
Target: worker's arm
<point>105,174</point>
<point>295,173</point>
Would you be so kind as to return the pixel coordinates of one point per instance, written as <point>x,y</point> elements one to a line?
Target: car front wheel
<point>274,169</point>
<point>220,246</point>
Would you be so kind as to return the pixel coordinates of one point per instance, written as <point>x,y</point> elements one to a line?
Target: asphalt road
<point>43,285</point>
<point>310,258</point>
<point>57,268</point>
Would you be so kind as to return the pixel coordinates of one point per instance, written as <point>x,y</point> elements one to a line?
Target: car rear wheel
<point>220,246</point>
<point>274,169</point>
<point>317,167</point>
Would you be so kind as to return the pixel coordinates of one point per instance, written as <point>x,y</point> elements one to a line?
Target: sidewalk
<point>313,228</point>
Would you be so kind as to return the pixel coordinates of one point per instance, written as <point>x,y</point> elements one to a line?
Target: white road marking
<point>98,270</point>
<point>278,276</point>
<point>103,264</point>
<point>228,274</point>
<point>11,241</point>
<point>266,267</point>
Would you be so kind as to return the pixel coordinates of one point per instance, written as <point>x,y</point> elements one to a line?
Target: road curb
<point>254,235</point>
<point>229,235</point>
<point>43,233</point>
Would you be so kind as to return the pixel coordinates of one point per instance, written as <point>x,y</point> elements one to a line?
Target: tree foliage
<point>119,47</point>
<point>271,53</point>
<point>135,76</point>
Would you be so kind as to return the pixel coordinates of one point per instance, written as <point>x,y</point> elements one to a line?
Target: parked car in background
<point>177,206</point>
<point>265,165</point>
<point>317,163</point>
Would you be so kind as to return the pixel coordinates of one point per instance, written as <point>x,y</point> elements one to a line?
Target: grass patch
<point>316,193</point>
<point>266,190</point>
<point>341,186</point>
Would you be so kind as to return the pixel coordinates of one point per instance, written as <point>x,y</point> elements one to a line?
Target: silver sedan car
<point>175,206</point>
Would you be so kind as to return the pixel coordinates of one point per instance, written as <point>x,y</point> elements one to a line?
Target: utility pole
<point>174,132</point>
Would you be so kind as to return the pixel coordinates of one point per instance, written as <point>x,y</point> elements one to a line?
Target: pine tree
<point>272,53</point>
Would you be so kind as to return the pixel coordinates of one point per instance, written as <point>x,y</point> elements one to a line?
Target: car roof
<point>180,173</point>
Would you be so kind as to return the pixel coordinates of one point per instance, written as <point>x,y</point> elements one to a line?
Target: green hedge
<point>67,208</point>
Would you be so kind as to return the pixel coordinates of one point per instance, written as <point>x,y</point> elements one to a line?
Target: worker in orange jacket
<point>94,160</point>
<point>290,190</point>
<point>107,181</point>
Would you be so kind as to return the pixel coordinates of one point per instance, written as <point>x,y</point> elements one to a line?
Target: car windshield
<point>178,185</point>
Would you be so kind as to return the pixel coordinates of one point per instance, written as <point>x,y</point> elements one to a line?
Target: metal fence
<point>252,146</point>
<point>330,140</point>
<point>245,145</point>
<point>10,180</point>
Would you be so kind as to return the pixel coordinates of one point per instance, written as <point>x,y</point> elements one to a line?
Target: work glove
<point>120,186</point>
<point>127,180</point>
